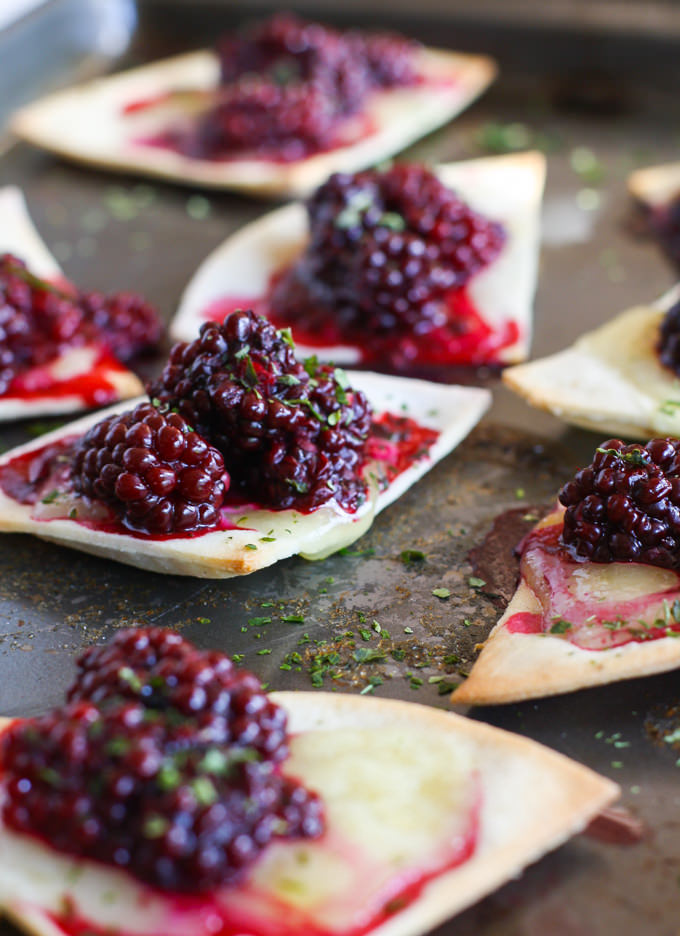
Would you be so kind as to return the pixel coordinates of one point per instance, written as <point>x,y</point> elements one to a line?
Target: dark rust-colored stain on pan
<point>496,559</point>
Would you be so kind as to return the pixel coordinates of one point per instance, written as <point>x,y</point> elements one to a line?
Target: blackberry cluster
<point>291,435</point>
<point>164,762</point>
<point>38,320</point>
<point>158,474</point>
<point>385,249</point>
<point>625,506</point>
<point>287,84</point>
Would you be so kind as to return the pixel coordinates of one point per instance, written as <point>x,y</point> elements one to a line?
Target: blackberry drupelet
<point>385,249</point>
<point>164,762</point>
<point>292,435</point>
<point>625,506</point>
<point>159,475</point>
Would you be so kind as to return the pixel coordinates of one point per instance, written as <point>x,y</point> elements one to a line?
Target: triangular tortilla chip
<point>100,134</point>
<point>610,380</point>
<point>505,188</point>
<point>515,666</point>
<point>531,800</point>
<point>88,365</point>
<point>451,410</point>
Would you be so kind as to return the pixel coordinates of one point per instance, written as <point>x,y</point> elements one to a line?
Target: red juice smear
<point>186,142</point>
<point>398,442</point>
<point>94,388</point>
<point>466,339</point>
<point>395,442</point>
<point>593,624</point>
<point>282,919</point>
<point>525,622</point>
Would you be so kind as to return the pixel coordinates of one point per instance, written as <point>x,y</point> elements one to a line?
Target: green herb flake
<point>263,652</point>
<point>441,592</point>
<point>409,556</point>
<point>670,407</point>
<point>445,687</point>
<point>204,790</point>
<point>168,777</point>
<point>117,747</point>
<point>372,683</point>
<point>364,634</point>
<point>51,497</point>
<point>637,457</point>
<point>560,626</point>
<point>368,655</point>
<point>408,630</point>
<point>392,220</point>
<point>259,621</point>
<point>130,678</point>
<point>155,827</point>
<point>475,582</point>
<point>49,775</point>
<point>250,546</point>
<point>204,620</point>
<point>293,618</point>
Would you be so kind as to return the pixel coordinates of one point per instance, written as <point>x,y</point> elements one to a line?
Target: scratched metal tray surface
<point>367,620</point>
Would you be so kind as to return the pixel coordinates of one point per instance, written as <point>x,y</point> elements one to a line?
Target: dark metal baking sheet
<point>114,232</point>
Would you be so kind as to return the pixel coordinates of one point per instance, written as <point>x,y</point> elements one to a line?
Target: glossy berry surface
<point>165,762</point>
<point>625,506</point>
<point>291,434</point>
<point>38,321</point>
<point>159,475</point>
<point>385,250</point>
<point>288,85</point>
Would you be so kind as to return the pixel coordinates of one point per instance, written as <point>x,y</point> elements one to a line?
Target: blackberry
<point>385,249</point>
<point>292,435</point>
<point>164,762</point>
<point>38,321</point>
<point>625,506</point>
<point>126,322</point>
<point>292,121</point>
<point>158,474</point>
<point>287,86</point>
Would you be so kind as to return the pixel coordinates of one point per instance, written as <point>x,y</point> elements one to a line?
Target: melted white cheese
<point>394,811</point>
